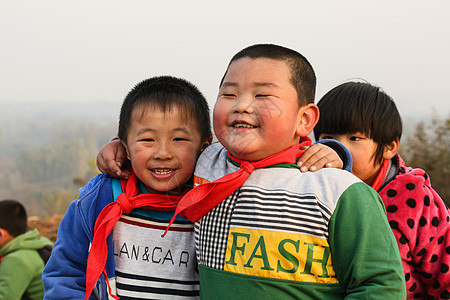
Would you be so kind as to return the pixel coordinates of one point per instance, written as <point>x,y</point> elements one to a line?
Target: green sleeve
<point>15,276</point>
<point>364,251</point>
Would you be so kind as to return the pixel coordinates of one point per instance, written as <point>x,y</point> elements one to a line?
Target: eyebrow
<point>178,129</point>
<point>269,84</point>
<point>256,84</point>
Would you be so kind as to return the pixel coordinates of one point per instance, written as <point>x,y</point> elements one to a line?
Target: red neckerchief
<point>108,217</point>
<point>204,197</point>
<point>381,175</point>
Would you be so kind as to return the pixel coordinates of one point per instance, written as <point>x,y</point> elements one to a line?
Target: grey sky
<point>86,51</point>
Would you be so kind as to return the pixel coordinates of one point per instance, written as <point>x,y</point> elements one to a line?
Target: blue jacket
<point>64,276</point>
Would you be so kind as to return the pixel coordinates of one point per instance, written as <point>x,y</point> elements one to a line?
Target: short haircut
<point>360,107</point>
<point>166,92</point>
<point>13,217</point>
<point>302,74</point>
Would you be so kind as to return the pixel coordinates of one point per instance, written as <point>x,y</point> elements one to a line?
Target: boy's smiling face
<point>163,147</point>
<point>257,112</point>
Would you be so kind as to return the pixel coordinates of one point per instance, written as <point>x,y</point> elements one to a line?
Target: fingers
<point>121,155</point>
<point>111,158</point>
<point>304,161</point>
<point>108,165</point>
<point>319,156</point>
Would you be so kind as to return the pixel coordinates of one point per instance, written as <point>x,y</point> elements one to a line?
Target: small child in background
<point>366,120</point>
<point>109,241</point>
<point>20,263</point>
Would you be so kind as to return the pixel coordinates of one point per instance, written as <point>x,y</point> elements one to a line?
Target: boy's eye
<point>326,137</point>
<point>355,138</point>
<point>229,95</point>
<point>261,96</point>
<point>147,140</point>
<point>180,139</point>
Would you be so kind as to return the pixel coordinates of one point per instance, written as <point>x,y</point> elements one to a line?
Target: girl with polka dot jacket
<point>366,120</point>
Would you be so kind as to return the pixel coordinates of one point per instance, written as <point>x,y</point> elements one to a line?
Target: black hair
<point>360,107</point>
<point>165,92</point>
<point>302,74</point>
<point>13,217</point>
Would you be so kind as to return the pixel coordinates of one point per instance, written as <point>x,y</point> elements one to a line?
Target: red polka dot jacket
<point>419,219</point>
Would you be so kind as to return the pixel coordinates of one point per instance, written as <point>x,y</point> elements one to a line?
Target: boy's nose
<point>162,152</point>
<point>244,104</point>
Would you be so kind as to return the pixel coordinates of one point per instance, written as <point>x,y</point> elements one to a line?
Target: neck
<point>254,157</point>
<point>176,192</point>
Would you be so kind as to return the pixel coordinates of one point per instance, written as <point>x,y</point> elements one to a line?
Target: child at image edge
<point>21,264</point>
<point>283,234</point>
<point>366,120</point>
<point>164,124</point>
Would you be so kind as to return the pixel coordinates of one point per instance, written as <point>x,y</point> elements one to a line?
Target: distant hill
<point>48,149</point>
<point>33,124</point>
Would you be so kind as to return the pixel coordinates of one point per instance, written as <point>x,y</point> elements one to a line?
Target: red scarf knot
<point>248,167</point>
<point>124,202</point>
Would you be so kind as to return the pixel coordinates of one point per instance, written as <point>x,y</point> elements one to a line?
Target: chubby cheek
<point>268,109</point>
<point>139,156</point>
<point>220,117</point>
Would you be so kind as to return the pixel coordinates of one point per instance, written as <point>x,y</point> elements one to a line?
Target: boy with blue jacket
<point>109,241</point>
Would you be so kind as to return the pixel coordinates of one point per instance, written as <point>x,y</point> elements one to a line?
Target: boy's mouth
<point>162,171</point>
<point>242,125</point>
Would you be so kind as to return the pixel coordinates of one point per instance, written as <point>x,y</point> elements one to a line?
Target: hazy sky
<point>87,51</point>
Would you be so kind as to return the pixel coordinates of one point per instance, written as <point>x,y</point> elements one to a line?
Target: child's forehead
<point>174,112</point>
<point>261,67</point>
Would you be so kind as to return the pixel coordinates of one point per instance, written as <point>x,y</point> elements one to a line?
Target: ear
<point>308,116</point>
<point>391,149</point>
<point>126,149</point>
<point>5,237</point>
<point>206,144</point>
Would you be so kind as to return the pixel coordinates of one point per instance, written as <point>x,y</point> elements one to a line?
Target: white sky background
<point>90,51</point>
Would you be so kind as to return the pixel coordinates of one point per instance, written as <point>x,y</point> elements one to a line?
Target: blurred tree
<point>57,200</point>
<point>429,148</point>
<point>81,181</point>
<point>42,176</point>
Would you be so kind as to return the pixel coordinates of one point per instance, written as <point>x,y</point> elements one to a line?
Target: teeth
<point>243,126</point>
<point>162,171</point>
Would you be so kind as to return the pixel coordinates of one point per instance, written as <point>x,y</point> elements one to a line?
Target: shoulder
<point>324,179</point>
<point>410,196</point>
<point>334,185</point>
<point>94,196</point>
<point>213,152</point>
<point>95,184</point>
<point>96,192</point>
<point>23,259</point>
<point>213,163</point>
<point>410,183</point>
<point>326,185</point>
